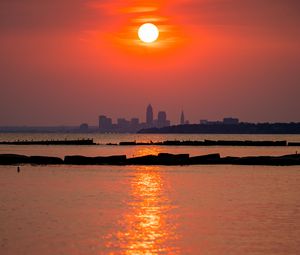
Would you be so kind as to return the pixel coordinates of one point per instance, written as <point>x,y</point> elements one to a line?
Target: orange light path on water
<point>147,150</point>
<point>146,227</point>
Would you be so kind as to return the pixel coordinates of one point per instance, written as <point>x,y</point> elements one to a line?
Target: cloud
<point>274,14</point>
<point>74,15</point>
<point>46,16</point>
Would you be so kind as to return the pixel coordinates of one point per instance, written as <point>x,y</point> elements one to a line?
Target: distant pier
<point>209,143</point>
<point>51,142</point>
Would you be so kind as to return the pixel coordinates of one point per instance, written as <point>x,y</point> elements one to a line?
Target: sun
<point>148,33</point>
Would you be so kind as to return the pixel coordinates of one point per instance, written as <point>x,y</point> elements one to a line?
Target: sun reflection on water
<point>149,226</point>
<point>148,150</point>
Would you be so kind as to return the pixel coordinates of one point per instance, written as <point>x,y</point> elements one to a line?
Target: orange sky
<point>66,62</point>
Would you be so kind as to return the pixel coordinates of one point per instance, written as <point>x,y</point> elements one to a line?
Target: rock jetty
<point>160,159</point>
<point>209,143</point>
<point>50,142</point>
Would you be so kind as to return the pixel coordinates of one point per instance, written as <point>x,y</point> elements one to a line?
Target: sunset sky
<point>64,62</point>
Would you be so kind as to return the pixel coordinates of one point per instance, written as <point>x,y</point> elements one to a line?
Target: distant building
<point>123,125</point>
<point>105,124</point>
<point>203,122</point>
<point>226,121</point>
<point>149,116</point>
<point>182,120</point>
<point>209,122</point>
<point>162,120</point>
<point>135,122</point>
<point>231,121</point>
<point>84,127</point>
<point>133,125</point>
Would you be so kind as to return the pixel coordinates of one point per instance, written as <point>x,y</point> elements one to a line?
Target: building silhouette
<point>226,121</point>
<point>135,122</point>
<point>105,124</point>
<point>162,120</point>
<point>182,120</point>
<point>149,116</point>
<point>231,121</point>
<point>84,127</point>
<point>133,125</point>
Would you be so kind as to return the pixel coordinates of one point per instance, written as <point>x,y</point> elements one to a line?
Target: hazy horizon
<point>67,62</point>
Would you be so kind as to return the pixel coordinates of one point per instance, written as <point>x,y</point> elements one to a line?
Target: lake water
<point>209,210</point>
<point>104,150</point>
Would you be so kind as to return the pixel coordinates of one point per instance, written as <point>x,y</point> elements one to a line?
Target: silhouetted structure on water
<point>223,128</point>
<point>160,159</point>
<point>134,125</point>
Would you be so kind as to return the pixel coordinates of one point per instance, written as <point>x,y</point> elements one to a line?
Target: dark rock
<point>127,143</point>
<point>42,160</point>
<point>171,143</point>
<point>81,160</point>
<point>78,160</point>
<point>205,159</point>
<point>110,160</point>
<point>269,160</point>
<point>161,159</point>
<point>289,160</point>
<point>211,143</point>
<point>53,142</point>
<point>290,156</point>
<point>173,159</point>
<point>229,160</point>
<point>294,144</point>
<point>13,159</point>
<point>259,160</point>
<point>143,160</point>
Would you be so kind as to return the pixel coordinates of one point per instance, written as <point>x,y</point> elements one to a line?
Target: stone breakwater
<point>210,143</point>
<point>50,142</point>
<point>160,159</point>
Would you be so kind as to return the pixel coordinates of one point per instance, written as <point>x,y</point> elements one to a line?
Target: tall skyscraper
<point>162,117</point>
<point>162,120</point>
<point>182,120</point>
<point>149,116</point>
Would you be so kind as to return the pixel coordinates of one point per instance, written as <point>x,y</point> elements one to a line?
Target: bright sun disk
<point>148,33</point>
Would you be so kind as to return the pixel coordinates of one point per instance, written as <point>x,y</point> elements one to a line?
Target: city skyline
<point>61,65</point>
<point>122,125</point>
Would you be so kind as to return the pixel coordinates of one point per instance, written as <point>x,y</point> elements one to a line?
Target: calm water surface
<point>150,210</point>
<point>209,210</point>
<point>102,150</point>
